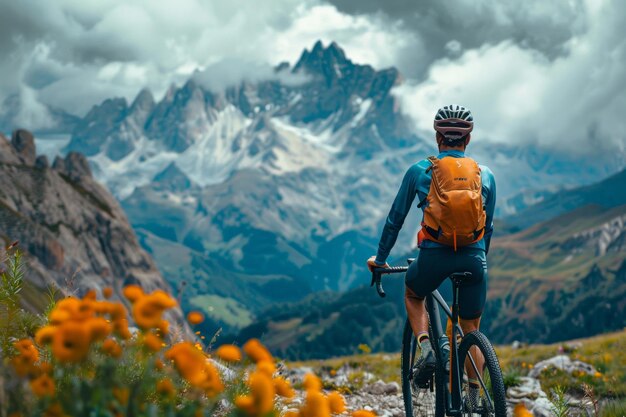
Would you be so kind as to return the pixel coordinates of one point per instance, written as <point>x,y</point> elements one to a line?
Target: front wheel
<point>489,398</point>
<point>420,402</point>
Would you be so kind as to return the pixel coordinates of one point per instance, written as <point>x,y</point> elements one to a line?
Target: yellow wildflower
<point>256,351</point>
<point>312,383</point>
<point>363,413</point>
<point>99,329</point>
<point>133,292</point>
<point>195,317</point>
<point>245,403</point>
<point>58,316</point>
<point>283,388</point>
<point>121,328</point>
<point>189,362</point>
<point>24,362</point>
<point>164,327</point>
<point>153,342</point>
<point>166,388</point>
<point>107,292</point>
<point>229,353</point>
<point>148,309</point>
<point>315,405</point>
<point>263,392</point>
<point>212,384</point>
<point>43,386</point>
<point>267,367</point>
<point>112,348</point>
<point>71,342</point>
<point>520,410</point>
<point>337,402</point>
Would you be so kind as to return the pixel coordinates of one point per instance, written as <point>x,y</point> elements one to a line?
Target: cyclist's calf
<point>416,311</point>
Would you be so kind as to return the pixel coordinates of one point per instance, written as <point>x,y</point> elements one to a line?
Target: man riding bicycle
<point>458,198</point>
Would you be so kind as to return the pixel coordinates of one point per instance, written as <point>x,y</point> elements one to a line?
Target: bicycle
<point>438,398</point>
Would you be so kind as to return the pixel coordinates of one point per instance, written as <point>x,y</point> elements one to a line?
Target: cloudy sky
<point>547,72</point>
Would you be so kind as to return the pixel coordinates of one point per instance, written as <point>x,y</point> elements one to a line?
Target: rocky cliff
<point>74,232</point>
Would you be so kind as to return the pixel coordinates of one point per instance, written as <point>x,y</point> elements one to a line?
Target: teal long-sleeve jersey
<point>416,182</point>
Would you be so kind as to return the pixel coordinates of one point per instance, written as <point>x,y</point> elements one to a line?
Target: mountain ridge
<point>561,279</point>
<point>74,233</point>
<point>273,176</point>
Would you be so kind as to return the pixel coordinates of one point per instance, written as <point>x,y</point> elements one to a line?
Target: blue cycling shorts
<point>434,265</point>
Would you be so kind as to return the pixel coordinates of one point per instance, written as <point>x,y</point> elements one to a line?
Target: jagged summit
<point>144,101</point>
<point>328,61</point>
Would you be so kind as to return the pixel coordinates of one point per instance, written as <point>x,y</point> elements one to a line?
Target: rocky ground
<point>363,390</point>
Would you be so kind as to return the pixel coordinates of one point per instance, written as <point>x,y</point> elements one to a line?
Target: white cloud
<point>365,39</point>
<point>517,94</point>
<point>74,54</point>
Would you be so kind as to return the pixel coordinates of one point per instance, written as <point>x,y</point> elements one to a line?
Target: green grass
<point>607,353</point>
<point>223,309</point>
<point>615,408</point>
<point>512,377</point>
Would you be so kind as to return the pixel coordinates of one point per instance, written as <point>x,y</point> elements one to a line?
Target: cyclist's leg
<point>424,275</point>
<point>472,296</point>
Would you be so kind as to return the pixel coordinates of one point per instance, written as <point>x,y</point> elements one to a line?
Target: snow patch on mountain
<point>210,159</point>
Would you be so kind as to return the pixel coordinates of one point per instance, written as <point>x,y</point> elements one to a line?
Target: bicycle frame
<point>433,302</point>
<point>453,396</point>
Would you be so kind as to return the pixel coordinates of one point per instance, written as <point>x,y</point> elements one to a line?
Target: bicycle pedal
<point>422,383</point>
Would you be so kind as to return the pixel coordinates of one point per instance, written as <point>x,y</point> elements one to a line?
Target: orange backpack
<point>454,215</point>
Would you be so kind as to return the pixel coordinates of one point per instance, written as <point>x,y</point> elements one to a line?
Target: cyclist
<point>436,260</point>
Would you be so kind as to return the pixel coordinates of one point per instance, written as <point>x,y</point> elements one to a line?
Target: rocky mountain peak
<point>108,107</point>
<point>24,144</point>
<point>74,166</point>
<point>144,102</point>
<point>325,61</point>
<point>68,225</point>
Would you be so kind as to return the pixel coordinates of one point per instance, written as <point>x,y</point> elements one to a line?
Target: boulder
<point>530,394</point>
<point>381,388</point>
<point>564,363</point>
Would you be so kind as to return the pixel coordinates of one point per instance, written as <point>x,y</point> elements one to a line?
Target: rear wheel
<point>489,400</point>
<point>420,402</point>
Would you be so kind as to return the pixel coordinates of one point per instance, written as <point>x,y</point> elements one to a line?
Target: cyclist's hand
<point>371,264</point>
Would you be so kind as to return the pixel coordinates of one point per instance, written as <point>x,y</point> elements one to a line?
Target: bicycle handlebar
<point>378,272</point>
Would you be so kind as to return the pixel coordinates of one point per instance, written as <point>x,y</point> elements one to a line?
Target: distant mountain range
<point>560,279</point>
<point>271,190</point>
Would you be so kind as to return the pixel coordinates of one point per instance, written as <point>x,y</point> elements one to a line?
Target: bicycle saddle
<point>460,276</point>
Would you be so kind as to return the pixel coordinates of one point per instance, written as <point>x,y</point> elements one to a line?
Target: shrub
<point>512,377</point>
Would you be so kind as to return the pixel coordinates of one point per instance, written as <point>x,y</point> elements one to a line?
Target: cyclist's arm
<point>490,205</point>
<point>397,214</point>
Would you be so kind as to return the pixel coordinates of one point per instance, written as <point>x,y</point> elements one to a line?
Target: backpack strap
<point>433,160</point>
